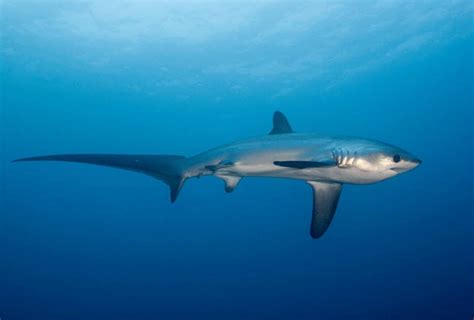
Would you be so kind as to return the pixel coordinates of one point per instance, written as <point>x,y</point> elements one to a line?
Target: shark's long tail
<point>167,168</point>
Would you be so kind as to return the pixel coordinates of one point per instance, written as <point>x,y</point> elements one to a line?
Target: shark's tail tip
<point>24,159</point>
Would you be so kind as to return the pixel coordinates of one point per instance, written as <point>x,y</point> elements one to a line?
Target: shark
<point>326,163</point>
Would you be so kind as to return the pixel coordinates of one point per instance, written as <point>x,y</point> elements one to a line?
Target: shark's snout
<point>414,162</point>
<point>407,165</point>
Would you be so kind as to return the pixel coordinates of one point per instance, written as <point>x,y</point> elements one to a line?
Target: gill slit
<point>343,158</point>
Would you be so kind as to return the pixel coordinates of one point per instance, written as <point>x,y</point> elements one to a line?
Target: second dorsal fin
<point>280,124</point>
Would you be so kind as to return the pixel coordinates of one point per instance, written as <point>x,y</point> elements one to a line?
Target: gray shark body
<point>326,163</point>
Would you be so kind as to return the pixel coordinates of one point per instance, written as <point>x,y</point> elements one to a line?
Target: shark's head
<point>375,161</point>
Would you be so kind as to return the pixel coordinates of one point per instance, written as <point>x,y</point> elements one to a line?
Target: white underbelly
<point>327,174</point>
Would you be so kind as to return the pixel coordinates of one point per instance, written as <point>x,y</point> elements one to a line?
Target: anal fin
<point>231,182</point>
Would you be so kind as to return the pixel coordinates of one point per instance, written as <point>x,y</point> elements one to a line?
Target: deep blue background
<point>84,242</point>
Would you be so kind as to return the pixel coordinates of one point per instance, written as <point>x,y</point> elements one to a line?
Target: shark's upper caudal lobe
<point>326,163</point>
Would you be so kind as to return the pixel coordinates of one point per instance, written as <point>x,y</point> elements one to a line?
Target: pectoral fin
<point>325,199</point>
<point>305,164</point>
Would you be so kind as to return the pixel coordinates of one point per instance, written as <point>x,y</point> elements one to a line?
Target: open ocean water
<point>180,77</point>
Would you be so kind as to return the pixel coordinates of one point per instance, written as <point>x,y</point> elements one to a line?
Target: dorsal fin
<point>280,124</point>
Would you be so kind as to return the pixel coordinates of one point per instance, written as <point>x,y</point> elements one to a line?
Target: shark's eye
<point>396,158</point>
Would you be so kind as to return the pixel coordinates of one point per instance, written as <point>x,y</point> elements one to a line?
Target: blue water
<point>87,242</point>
